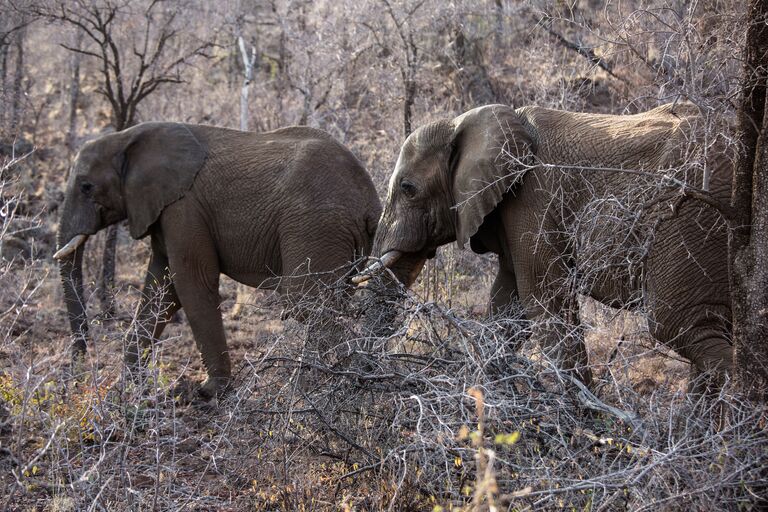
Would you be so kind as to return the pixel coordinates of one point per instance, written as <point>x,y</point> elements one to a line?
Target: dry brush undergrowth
<point>442,413</point>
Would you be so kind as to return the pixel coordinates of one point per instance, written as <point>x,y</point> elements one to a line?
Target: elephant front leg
<point>196,277</point>
<point>562,339</point>
<point>553,311</point>
<point>505,306</point>
<point>158,304</point>
<point>201,305</point>
<point>504,296</point>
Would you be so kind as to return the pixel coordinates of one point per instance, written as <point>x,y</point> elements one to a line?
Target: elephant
<point>269,210</point>
<point>525,183</point>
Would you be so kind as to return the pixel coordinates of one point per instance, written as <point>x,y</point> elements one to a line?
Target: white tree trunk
<point>248,61</point>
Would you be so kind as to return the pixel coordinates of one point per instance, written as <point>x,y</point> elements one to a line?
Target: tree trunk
<point>248,62</point>
<point>106,291</point>
<point>74,93</point>
<point>408,100</point>
<point>3,85</point>
<point>241,294</point>
<point>499,24</point>
<point>18,77</point>
<point>748,242</point>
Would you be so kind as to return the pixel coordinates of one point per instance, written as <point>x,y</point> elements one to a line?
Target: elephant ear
<point>487,142</point>
<point>158,166</point>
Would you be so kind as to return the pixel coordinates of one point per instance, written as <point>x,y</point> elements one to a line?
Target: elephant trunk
<point>71,270</point>
<point>76,223</point>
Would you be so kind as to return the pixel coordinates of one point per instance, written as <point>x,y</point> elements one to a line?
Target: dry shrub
<point>444,412</point>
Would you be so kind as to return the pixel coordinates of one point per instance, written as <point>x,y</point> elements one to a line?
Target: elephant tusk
<point>70,247</point>
<point>385,261</point>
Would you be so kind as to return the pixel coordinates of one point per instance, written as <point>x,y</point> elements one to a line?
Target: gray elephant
<point>527,183</point>
<point>266,209</point>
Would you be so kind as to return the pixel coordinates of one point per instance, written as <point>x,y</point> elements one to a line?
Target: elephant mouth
<point>103,217</point>
<point>405,265</point>
<point>70,247</point>
<point>386,261</point>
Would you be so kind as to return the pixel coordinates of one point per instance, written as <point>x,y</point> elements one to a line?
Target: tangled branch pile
<point>445,412</point>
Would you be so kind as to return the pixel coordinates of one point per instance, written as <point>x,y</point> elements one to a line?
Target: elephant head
<point>132,174</point>
<point>449,176</point>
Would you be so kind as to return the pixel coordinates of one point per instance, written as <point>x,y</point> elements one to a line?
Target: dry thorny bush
<point>445,411</point>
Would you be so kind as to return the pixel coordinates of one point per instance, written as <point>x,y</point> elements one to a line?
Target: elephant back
<point>670,139</point>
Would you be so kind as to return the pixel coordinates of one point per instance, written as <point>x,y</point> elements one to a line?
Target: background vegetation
<point>443,414</point>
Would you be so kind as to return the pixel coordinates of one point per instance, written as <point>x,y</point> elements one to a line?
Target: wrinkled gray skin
<point>250,205</point>
<point>451,184</point>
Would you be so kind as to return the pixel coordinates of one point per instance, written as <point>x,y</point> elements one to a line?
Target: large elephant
<point>541,188</point>
<point>266,209</point>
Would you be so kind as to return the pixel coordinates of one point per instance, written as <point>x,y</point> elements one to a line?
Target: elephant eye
<point>408,188</point>
<point>86,188</point>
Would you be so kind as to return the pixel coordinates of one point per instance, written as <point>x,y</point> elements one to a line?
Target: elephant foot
<point>215,387</point>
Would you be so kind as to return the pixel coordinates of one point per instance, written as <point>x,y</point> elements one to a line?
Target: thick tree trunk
<point>748,243</point>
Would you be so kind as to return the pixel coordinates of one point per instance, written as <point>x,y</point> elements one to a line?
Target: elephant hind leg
<point>159,302</point>
<point>313,262</point>
<point>711,362</point>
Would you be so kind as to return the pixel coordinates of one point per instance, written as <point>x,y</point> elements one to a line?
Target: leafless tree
<point>138,49</point>
<point>12,33</point>
<point>401,20</point>
<point>74,91</point>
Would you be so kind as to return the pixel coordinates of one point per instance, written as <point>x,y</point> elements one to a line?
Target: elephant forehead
<point>395,176</point>
<point>83,163</point>
<point>437,134</point>
<point>86,156</point>
<point>89,155</point>
<point>417,163</point>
